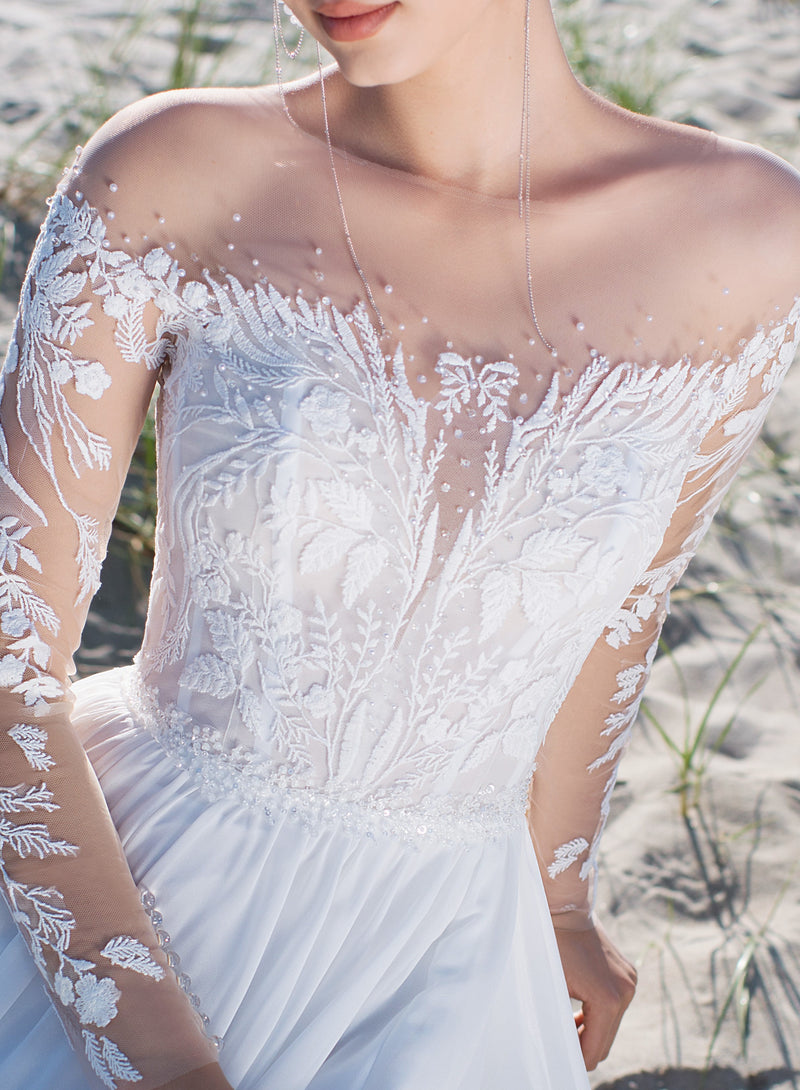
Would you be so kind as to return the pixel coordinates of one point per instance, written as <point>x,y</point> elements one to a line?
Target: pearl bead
<point>113,187</point>
<point>237,217</point>
<point>388,289</point>
<point>580,327</point>
<point>161,219</point>
<point>111,215</point>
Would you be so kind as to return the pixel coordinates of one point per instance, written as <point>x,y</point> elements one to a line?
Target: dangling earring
<point>292,54</point>
<point>280,41</point>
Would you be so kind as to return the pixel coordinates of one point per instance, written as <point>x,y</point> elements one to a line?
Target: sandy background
<point>701,902</point>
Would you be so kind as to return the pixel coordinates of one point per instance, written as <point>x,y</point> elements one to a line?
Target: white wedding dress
<point>393,576</point>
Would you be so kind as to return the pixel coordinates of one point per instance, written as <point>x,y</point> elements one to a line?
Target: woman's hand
<point>603,981</point>
<point>209,1077</point>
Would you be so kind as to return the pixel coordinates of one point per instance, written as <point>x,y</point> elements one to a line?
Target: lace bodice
<point>392,580</point>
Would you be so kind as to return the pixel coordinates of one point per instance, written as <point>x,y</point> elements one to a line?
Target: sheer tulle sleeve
<point>77,382</point>
<point>577,766</point>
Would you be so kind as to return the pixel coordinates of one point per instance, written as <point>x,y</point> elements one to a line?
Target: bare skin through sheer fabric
<point>397,577</point>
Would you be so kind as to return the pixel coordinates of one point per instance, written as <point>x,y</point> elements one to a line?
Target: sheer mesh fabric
<point>385,566</point>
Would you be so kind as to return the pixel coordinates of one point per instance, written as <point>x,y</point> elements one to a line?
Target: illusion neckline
<point>298,307</point>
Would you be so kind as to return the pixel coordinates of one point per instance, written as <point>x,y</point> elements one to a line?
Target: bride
<point>455,361</point>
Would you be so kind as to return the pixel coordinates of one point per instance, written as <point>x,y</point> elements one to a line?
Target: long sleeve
<point>77,382</point>
<point>578,764</point>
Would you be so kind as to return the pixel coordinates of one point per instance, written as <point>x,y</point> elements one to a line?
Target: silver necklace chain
<point>525,179</point>
<point>524,169</point>
<point>342,213</point>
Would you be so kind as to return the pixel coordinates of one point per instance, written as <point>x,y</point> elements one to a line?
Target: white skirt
<point>324,961</point>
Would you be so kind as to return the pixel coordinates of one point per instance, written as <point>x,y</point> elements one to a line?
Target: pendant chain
<point>525,179</point>
<point>524,169</point>
<point>342,213</point>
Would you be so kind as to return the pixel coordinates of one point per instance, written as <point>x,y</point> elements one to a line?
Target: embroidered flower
<point>11,671</point>
<point>212,586</point>
<point>62,986</point>
<point>157,263</point>
<point>14,623</point>
<point>319,701</point>
<point>603,469</point>
<point>285,619</point>
<point>326,410</point>
<point>91,378</point>
<point>196,295</point>
<point>96,1000</point>
<point>61,370</point>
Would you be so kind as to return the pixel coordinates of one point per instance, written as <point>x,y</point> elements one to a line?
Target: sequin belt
<point>488,814</point>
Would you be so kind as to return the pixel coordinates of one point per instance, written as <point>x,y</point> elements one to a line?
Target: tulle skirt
<point>322,960</point>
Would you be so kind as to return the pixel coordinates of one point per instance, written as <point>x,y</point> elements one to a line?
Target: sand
<point>689,900</point>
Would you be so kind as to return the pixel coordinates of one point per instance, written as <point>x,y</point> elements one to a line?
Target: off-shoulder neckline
<point>298,307</point>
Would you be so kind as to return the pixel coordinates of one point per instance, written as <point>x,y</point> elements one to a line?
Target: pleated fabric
<point>324,960</point>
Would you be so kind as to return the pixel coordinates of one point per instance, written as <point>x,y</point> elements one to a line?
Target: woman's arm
<point>569,803</point>
<point>578,763</point>
<point>77,383</point>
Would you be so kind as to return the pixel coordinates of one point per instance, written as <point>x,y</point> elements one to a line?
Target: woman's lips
<point>349,22</point>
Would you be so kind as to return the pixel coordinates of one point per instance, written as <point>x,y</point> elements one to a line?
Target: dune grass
<point>694,747</point>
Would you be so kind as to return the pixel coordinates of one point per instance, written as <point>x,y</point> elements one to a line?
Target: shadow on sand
<point>716,1078</point>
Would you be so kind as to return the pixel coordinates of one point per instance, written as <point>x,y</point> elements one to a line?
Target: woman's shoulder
<point>717,209</point>
<point>728,184</point>
<point>744,205</point>
<point>176,151</point>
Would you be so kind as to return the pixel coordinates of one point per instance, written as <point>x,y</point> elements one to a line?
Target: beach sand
<point>699,903</point>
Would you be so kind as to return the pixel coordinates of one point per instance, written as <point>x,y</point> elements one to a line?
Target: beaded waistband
<point>488,814</point>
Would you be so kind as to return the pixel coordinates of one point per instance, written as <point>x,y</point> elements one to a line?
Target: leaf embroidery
<point>129,953</point>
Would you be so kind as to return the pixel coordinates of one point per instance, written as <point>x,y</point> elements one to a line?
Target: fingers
<point>602,1013</point>
<point>603,981</point>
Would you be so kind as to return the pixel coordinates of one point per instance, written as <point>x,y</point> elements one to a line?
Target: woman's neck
<point>459,121</point>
